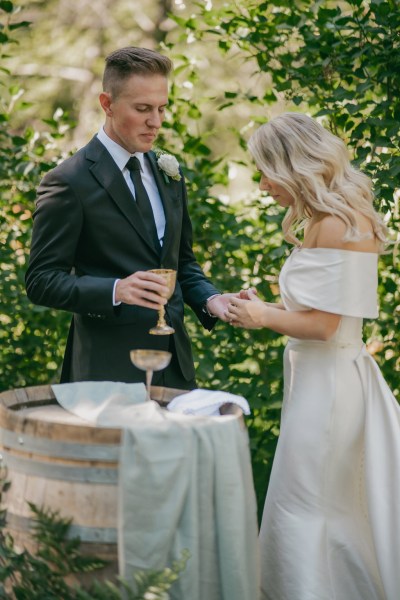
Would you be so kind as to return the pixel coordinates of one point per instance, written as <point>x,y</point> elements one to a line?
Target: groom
<point>107,215</point>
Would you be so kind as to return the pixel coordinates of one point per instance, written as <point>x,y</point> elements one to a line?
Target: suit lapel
<point>170,194</point>
<point>111,179</point>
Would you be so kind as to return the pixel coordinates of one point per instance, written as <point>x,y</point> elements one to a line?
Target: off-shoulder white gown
<point>331,522</point>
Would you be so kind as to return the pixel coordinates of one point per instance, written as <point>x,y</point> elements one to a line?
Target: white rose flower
<point>170,166</point>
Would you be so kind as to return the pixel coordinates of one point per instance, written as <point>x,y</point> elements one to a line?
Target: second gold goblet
<point>169,276</point>
<point>149,361</point>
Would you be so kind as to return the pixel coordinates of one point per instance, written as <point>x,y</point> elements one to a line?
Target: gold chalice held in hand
<point>149,361</point>
<point>169,276</point>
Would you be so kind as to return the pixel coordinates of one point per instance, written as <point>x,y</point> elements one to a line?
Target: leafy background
<point>237,65</point>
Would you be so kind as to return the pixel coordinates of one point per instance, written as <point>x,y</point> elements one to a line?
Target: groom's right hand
<point>142,288</point>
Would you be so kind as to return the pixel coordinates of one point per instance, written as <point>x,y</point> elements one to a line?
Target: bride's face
<point>278,193</point>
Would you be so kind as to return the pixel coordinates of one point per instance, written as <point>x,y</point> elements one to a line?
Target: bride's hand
<point>244,294</point>
<point>246,313</point>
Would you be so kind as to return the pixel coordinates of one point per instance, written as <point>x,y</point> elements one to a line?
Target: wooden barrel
<point>58,461</point>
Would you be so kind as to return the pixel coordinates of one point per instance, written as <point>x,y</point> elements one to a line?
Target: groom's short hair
<point>131,60</point>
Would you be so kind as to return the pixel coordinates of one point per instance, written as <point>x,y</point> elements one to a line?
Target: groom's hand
<point>142,288</point>
<point>218,305</point>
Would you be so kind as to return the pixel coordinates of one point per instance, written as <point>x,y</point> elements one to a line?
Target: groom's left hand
<point>218,305</point>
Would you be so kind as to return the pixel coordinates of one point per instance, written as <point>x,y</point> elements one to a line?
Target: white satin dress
<point>331,522</point>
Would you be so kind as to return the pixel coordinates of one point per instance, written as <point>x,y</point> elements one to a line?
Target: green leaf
<point>20,24</point>
<point>6,6</point>
<point>18,140</point>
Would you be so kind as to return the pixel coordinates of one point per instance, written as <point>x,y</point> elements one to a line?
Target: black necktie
<point>142,199</point>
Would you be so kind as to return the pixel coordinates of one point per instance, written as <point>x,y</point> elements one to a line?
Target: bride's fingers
<point>234,304</point>
<point>230,314</point>
<point>235,310</point>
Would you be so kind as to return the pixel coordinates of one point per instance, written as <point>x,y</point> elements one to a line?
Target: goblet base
<point>162,330</point>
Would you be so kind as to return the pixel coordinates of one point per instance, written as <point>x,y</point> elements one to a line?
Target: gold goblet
<point>149,361</point>
<point>169,276</point>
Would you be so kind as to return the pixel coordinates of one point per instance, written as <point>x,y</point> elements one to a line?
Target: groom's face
<point>135,115</point>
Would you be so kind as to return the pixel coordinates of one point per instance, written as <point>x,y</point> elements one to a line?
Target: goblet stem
<point>149,376</point>
<point>161,317</point>
<point>169,276</point>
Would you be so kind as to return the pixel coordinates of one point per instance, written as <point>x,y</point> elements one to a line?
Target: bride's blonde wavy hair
<point>313,165</point>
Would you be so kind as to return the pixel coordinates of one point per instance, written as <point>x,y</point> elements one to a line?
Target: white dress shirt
<point>121,157</point>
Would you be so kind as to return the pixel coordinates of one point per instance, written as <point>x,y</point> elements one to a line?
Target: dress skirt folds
<point>331,522</point>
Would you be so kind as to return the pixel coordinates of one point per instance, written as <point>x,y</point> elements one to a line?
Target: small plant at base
<point>41,576</point>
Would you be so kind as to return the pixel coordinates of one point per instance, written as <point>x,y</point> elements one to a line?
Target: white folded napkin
<point>106,403</point>
<point>206,402</point>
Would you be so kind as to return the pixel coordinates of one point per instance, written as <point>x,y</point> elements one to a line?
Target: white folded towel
<point>206,402</point>
<point>105,403</point>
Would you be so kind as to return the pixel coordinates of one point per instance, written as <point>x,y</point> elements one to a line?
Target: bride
<point>331,522</point>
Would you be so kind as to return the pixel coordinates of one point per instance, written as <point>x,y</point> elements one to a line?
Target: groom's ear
<point>105,103</point>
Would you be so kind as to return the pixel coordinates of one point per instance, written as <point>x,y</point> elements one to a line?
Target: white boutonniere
<point>168,164</point>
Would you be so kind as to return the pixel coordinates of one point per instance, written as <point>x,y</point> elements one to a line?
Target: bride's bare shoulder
<point>331,230</point>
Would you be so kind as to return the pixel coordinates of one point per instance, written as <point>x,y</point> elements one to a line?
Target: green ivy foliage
<point>31,337</point>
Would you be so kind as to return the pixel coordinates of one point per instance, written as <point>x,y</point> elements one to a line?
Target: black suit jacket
<point>87,232</point>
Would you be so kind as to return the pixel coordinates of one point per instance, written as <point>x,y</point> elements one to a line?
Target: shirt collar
<point>118,153</point>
